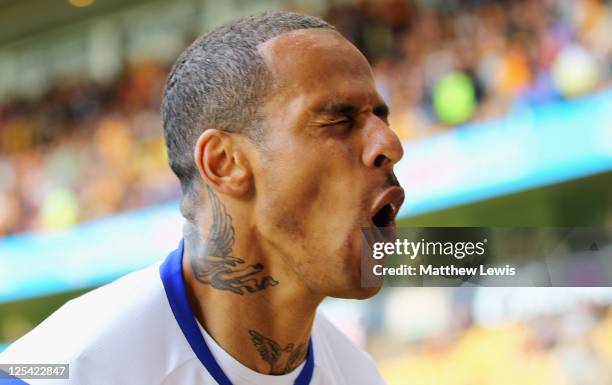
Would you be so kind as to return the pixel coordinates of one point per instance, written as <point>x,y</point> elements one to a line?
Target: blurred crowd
<point>572,348</point>
<point>443,63</point>
<point>85,150</point>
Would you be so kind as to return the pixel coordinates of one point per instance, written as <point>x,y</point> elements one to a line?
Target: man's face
<point>326,170</point>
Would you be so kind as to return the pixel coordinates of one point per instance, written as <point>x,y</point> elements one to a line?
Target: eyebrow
<point>338,108</point>
<point>347,108</point>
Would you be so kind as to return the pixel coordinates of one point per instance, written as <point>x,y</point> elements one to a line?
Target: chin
<point>365,292</point>
<point>358,292</point>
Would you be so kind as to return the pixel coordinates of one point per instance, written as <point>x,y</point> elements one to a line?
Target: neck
<point>250,303</point>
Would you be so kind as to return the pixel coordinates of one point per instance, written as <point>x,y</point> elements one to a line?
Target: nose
<point>383,148</point>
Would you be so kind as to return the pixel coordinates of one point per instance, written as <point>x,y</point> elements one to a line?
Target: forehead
<point>318,65</point>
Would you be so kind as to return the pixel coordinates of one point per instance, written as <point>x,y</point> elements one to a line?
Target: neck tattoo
<point>212,261</point>
<point>281,360</point>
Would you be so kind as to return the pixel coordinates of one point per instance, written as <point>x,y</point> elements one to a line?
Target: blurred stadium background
<point>504,109</point>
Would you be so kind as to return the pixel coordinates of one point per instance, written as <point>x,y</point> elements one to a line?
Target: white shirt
<point>126,333</point>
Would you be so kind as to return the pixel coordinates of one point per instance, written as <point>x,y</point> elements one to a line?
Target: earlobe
<point>221,165</point>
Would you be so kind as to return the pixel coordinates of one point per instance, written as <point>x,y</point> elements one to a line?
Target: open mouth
<point>385,217</point>
<point>387,206</point>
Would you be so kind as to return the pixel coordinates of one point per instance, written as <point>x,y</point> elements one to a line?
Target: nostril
<point>380,161</point>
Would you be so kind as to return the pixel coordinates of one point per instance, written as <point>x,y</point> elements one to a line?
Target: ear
<point>222,165</point>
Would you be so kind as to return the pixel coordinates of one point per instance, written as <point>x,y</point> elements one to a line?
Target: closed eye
<point>340,122</point>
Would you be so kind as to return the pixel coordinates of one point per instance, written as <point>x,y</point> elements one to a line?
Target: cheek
<point>294,206</point>
<point>325,192</point>
<point>311,192</point>
<point>289,191</point>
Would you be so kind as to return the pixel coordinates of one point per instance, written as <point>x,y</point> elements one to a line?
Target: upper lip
<point>393,196</point>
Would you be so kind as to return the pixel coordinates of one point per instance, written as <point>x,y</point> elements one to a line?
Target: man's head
<point>220,82</point>
<point>278,114</point>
